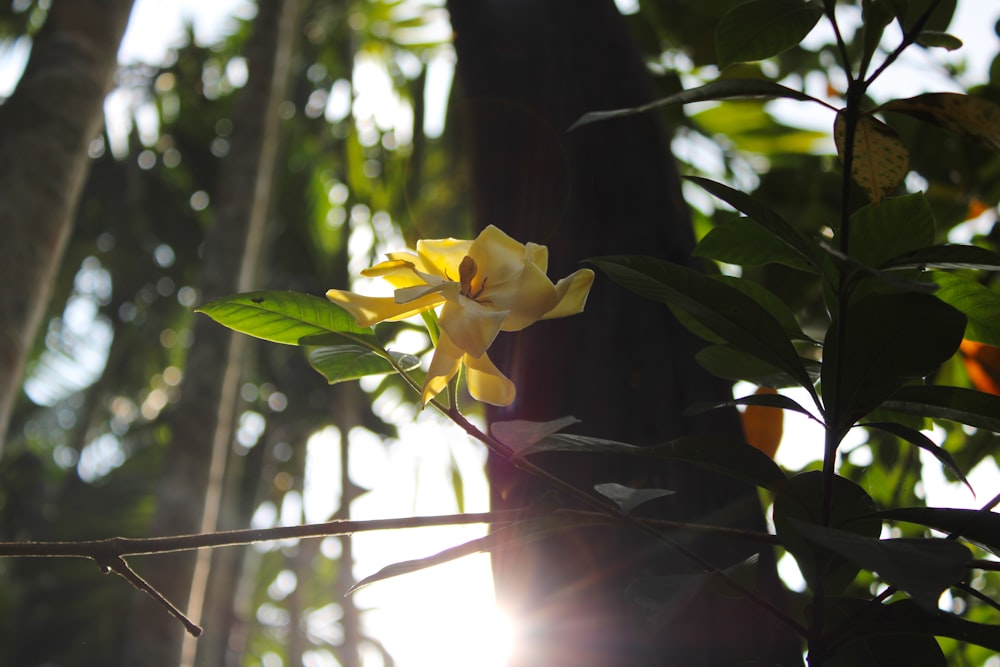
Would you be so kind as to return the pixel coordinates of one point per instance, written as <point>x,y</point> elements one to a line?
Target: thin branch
<point>118,565</point>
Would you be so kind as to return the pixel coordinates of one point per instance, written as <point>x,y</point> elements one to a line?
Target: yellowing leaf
<point>880,158</point>
<point>972,117</point>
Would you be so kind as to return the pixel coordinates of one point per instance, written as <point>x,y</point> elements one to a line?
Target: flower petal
<point>444,365</point>
<point>399,271</point>
<point>572,291</point>
<point>446,290</point>
<point>370,310</point>
<point>498,256</point>
<point>486,383</point>
<point>471,326</point>
<point>441,257</point>
<point>527,297</point>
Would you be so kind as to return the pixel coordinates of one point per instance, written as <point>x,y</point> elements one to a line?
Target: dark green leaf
<point>723,89</point>
<point>870,645</point>
<point>729,456</point>
<point>763,216</point>
<point>911,11</point>
<point>628,498</point>
<point>923,567</point>
<point>799,501</point>
<point>763,28</point>
<point>520,434</point>
<point>723,310</point>
<point>980,304</point>
<point>338,363</point>
<point>898,225</point>
<point>891,338</point>
<point>745,243</point>
<point>283,317</point>
<point>732,364</point>
<point>965,406</point>
<point>933,38</point>
<point>946,257</point>
<point>979,527</point>
<point>917,438</point>
<point>908,617</point>
<point>566,442</point>
<point>776,401</point>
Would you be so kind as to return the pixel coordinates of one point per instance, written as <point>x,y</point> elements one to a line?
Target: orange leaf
<point>763,426</point>
<point>982,363</point>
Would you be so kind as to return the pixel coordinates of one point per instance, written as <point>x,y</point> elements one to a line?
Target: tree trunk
<point>203,419</point>
<point>45,129</point>
<point>527,69</point>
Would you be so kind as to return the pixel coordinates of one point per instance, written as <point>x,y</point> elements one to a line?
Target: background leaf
<point>880,158</point>
<point>965,406</point>
<point>980,304</point>
<point>763,28</point>
<point>338,363</point>
<point>628,498</point>
<point>898,225</point>
<point>974,118</point>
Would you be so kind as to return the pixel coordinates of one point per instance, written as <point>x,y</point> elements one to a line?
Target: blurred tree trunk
<point>45,129</point>
<point>527,69</point>
<point>202,422</point>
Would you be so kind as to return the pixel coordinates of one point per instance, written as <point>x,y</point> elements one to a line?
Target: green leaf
<point>771,302</point>
<point>979,527</point>
<point>745,243</point>
<point>917,438</point>
<point>765,217</point>
<point>728,456</point>
<point>974,118</point>
<point>776,401</point>
<point>980,304</point>
<point>731,364</point>
<point>933,38</point>
<point>965,406</point>
<point>923,567</point>
<point>869,644</point>
<point>946,257</point>
<point>892,338</point>
<point>520,434</point>
<point>566,442</point>
<point>911,11</point>
<point>283,317</point>
<point>880,162</point>
<point>725,311</point>
<point>908,617</point>
<point>897,226</point>
<point>338,363</point>
<point>763,28</point>
<point>722,89</point>
<point>800,501</point>
<point>628,498</point>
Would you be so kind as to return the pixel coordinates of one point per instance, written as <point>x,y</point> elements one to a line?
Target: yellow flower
<point>484,286</point>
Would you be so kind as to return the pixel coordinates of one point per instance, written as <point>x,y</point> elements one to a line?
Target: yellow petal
<point>446,290</point>
<point>399,271</point>
<point>537,255</point>
<point>370,310</point>
<point>441,257</point>
<point>527,297</point>
<point>444,365</point>
<point>472,326</point>
<point>572,291</point>
<point>498,256</point>
<point>486,383</point>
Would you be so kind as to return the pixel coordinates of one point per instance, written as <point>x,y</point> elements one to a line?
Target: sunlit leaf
<point>898,225</point>
<point>338,363</point>
<point>965,406</point>
<point>725,311</point>
<point>880,161</point>
<point>746,243</point>
<point>722,89</point>
<point>282,317</point>
<point>628,498</point>
<point>763,216</point>
<point>923,567</point>
<point>917,438</point>
<point>763,28</point>
<point>891,338</point>
<point>969,116</point>
<point>980,304</point>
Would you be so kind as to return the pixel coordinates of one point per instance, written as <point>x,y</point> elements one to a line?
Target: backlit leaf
<point>946,257</point>
<point>898,225</point>
<point>732,364</point>
<point>880,159</point>
<point>965,406</point>
<point>628,498</point>
<point>917,438</point>
<point>763,28</point>
<point>980,304</point>
<point>982,528</point>
<point>338,363</point>
<point>969,116</point>
<point>283,317</point>
<point>746,243</point>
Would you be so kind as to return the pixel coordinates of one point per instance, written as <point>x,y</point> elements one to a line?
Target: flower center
<point>466,274</point>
